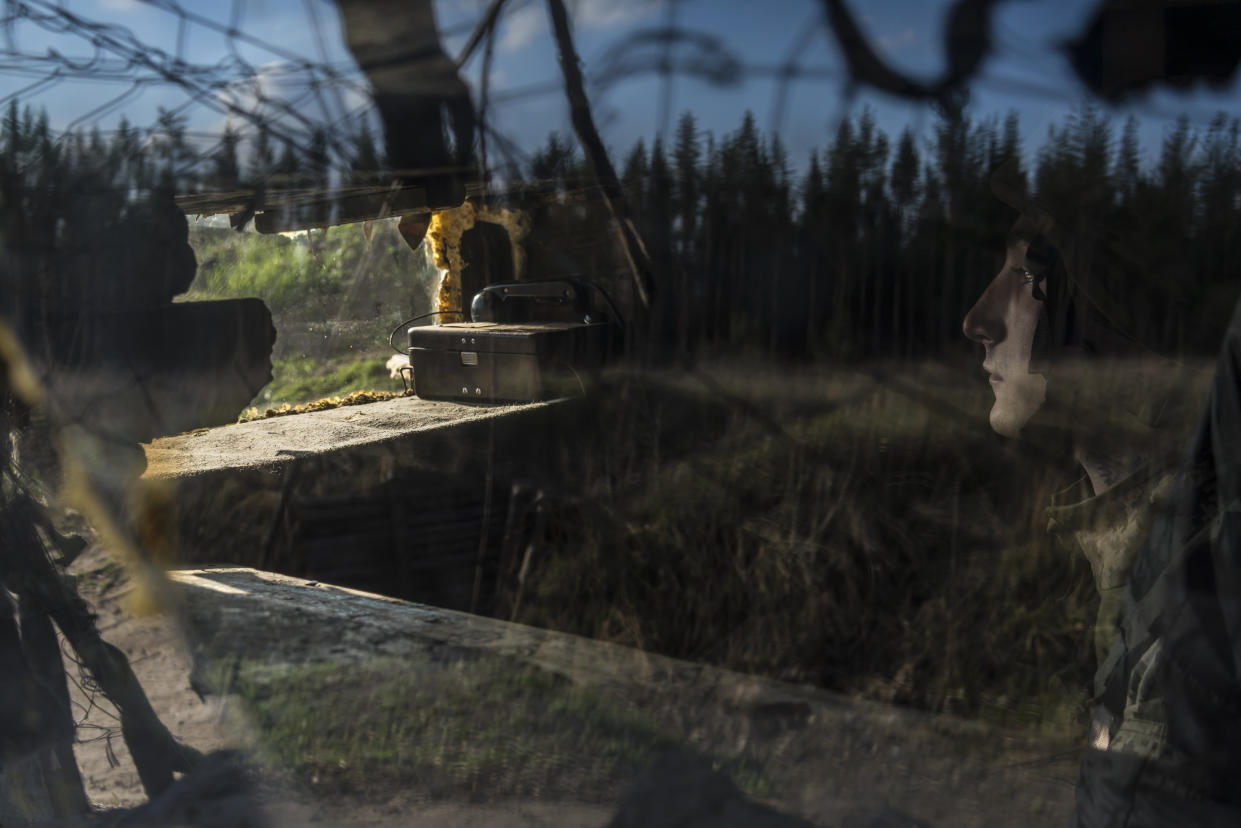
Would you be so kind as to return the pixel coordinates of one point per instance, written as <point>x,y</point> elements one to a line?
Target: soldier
<point>1066,328</point>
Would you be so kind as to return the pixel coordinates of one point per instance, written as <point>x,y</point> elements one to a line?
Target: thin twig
<point>483,29</point>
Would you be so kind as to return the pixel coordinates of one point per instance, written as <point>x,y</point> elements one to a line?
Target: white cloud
<point>268,83</point>
<point>600,14</point>
<point>278,87</point>
<point>459,6</point>
<point>119,5</point>
<point>498,82</point>
<point>895,42</point>
<point>519,27</point>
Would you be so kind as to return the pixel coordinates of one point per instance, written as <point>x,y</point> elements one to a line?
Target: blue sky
<point>1027,73</point>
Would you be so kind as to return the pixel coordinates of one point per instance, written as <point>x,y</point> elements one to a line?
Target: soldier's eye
<point>1031,279</point>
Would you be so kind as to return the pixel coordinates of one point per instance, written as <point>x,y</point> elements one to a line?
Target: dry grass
<point>863,531</point>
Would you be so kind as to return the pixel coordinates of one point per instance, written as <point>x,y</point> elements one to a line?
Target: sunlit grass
<point>297,380</point>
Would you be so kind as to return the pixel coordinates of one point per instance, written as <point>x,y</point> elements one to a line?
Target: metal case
<point>494,362</point>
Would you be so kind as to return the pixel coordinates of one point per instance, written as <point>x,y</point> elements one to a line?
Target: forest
<point>874,250</point>
<point>877,250</point>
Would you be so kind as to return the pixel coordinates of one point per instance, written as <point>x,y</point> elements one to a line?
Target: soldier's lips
<point>995,379</point>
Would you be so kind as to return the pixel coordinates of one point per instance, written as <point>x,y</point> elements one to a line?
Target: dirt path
<point>161,660</point>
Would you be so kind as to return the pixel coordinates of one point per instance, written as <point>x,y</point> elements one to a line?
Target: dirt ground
<point>161,661</point>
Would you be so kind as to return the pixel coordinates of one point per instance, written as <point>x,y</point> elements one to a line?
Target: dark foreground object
<point>683,791</point>
<point>218,793</point>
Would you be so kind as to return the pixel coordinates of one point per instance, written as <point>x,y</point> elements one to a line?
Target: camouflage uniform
<point>1169,685</point>
<point>1108,529</point>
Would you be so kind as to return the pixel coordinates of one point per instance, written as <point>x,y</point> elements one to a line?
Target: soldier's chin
<point>1007,423</point>
<point>1009,417</point>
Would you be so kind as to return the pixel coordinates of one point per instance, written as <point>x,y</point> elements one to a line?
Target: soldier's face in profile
<point>1003,320</point>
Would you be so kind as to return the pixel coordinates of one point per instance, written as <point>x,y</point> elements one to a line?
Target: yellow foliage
<point>444,240</point>
<point>21,376</point>
<point>355,398</point>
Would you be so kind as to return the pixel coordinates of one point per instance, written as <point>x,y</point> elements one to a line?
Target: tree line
<point>876,249</point>
<point>880,246</point>
<point>168,155</point>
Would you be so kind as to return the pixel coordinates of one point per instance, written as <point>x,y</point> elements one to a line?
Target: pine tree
<point>1220,173</point>
<point>92,154</point>
<point>262,157</point>
<point>870,152</point>
<point>123,156</point>
<point>843,184</point>
<point>1091,145</point>
<point>364,163</point>
<point>903,179</point>
<point>11,136</point>
<point>556,163</point>
<point>747,142</point>
<point>812,191</point>
<point>659,215</point>
<point>686,156</point>
<point>633,179</point>
<point>1127,166</point>
<point>1176,174</point>
<point>1010,142</point>
<point>46,153</point>
<point>27,133</point>
<point>1217,243</point>
<point>957,164</point>
<point>780,181</point>
<point>173,154</point>
<point>317,163</point>
<point>286,167</point>
<point>225,169</point>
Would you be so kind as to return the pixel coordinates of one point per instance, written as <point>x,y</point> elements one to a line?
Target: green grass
<point>297,380</point>
<point>313,276</point>
<point>469,726</point>
<point>334,298</point>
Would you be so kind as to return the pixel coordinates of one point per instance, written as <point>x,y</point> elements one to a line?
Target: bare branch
<point>485,26</point>
<point>967,41</point>
<point>597,155</point>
